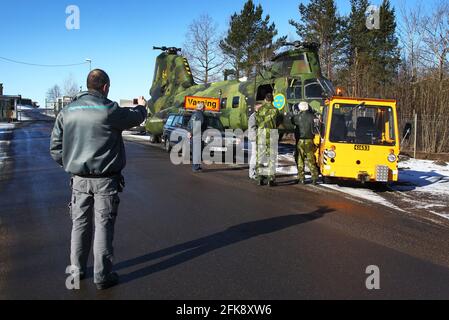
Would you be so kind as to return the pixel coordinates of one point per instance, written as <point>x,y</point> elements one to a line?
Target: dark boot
<point>271,181</point>
<point>112,280</point>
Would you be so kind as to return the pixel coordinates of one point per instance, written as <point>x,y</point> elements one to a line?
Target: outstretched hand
<point>141,101</point>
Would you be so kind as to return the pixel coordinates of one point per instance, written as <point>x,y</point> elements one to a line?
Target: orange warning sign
<point>210,104</point>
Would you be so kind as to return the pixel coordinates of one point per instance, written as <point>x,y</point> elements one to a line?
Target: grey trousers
<point>94,200</point>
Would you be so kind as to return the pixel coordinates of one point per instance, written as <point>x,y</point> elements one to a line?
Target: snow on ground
<point>6,126</point>
<point>288,167</point>
<point>423,185</point>
<point>133,135</point>
<point>5,130</point>
<point>423,176</point>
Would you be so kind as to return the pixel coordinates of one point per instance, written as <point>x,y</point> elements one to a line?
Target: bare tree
<point>436,39</point>
<point>202,50</point>
<point>70,86</point>
<point>410,33</point>
<point>54,93</point>
<point>422,91</point>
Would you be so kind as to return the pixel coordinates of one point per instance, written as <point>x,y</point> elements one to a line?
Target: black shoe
<point>112,280</point>
<point>272,183</point>
<point>261,182</point>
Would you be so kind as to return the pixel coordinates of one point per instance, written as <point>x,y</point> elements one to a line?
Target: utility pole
<point>90,64</point>
<point>415,142</point>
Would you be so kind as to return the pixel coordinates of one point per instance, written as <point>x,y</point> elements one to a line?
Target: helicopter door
<point>263,90</point>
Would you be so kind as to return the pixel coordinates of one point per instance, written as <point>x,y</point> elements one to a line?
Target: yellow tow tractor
<point>359,140</point>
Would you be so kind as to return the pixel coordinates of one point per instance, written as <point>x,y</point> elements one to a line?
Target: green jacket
<point>304,125</point>
<point>267,117</point>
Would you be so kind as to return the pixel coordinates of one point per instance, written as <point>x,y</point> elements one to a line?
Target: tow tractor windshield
<point>362,124</point>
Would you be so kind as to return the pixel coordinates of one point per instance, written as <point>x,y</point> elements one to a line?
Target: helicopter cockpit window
<point>328,86</point>
<point>224,102</point>
<point>288,62</point>
<point>236,102</point>
<point>294,90</point>
<point>313,89</point>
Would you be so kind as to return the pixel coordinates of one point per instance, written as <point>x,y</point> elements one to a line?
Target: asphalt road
<point>213,235</point>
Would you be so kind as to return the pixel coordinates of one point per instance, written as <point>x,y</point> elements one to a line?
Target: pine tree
<point>372,56</point>
<point>385,53</point>
<point>320,22</point>
<point>250,39</point>
<point>358,44</point>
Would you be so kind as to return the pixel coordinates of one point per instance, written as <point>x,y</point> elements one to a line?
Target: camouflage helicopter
<point>294,76</point>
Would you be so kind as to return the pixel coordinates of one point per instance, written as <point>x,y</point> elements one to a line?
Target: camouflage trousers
<point>267,151</point>
<point>305,153</point>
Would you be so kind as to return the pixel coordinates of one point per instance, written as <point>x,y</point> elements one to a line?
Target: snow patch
<point>136,136</point>
<point>423,176</point>
<point>362,193</point>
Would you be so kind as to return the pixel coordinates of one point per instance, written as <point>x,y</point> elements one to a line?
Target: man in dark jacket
<point>87,142</point>
<point>197,126</point>
<point>304,122</point>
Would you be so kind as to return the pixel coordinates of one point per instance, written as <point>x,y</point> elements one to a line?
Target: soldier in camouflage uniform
<point>305,147</point>
<point>266,121</point>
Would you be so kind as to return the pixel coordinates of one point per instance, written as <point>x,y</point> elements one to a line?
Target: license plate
<point>219,149</point>
<point>359,147</point>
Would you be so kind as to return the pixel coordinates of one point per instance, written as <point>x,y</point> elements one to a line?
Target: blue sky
<point>118,36</point>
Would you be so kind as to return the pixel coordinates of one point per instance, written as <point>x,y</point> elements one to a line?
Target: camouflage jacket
<point>267,117</point>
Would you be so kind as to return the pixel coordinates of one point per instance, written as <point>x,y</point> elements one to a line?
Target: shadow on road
<point>229,168</point>
<point>190,250</point>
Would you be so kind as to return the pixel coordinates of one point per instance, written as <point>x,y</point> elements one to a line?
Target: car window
<point>170,120</point>
<point>186,120</point>
<point>177,120</point>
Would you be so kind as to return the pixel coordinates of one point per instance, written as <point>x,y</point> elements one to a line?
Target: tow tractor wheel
<point>329,180</point>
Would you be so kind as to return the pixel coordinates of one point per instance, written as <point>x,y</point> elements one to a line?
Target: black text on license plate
<point>359,147</point>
